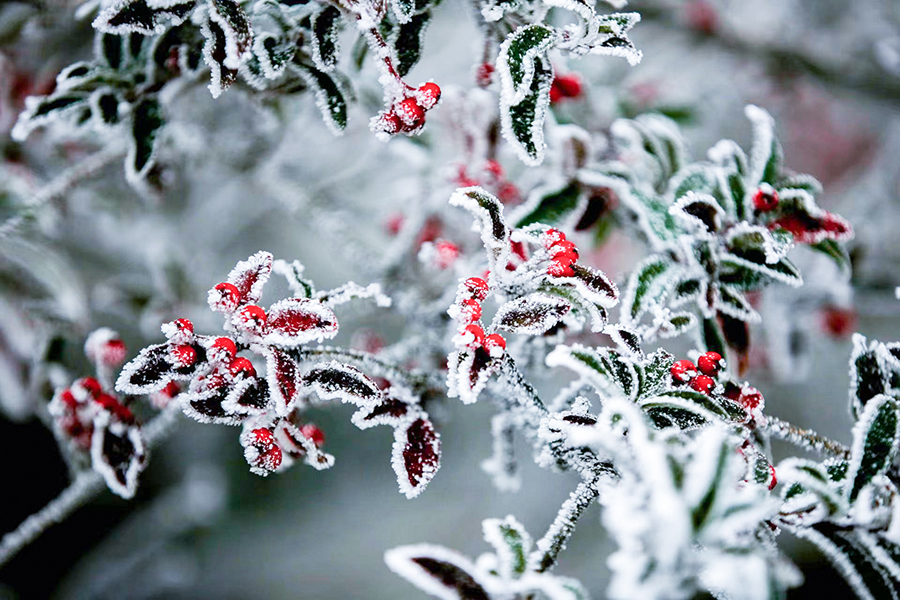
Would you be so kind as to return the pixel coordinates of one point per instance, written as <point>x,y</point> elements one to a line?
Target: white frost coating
<point>536,127</point>
<point>293,274</point>
<point>293,444</point>
<point>502,465</point>
<point>533,314</point>
<point>678,210</point>
<point>283,377</point>
<point>459,380</point>
<point>400,561</point>
<point>351,291</point>
<point>800,470</point>
<point>603,299</point>
<point>763,140</point>
<point>234,54</point>
<point>160,23</point>
<point>296,321</point>
<point>398,461</point>
<point>493,535</point>
<point>123,383</point>
<point>837,558</point>
<point>776,275</point>
<point>310,384</point>
<point>775,249</point>
<point>396,393</point>
<point>870,541</point>
<point>472,200</point>
<point>655,295</point>
<point>216,84</point>
<point>259,266</point>
<point>562,356</point>
<point>861,431</point>
<point>617,4</point>
<point>322,100</point>
<point>620,335</point>
<point>513,92</point>
<point>105,425</point>
<point>731,301</point>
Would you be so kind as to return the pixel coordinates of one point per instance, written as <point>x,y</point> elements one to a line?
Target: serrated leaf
<point>875,439</point>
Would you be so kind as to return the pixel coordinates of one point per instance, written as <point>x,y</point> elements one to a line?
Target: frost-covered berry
<point>262,452</point>
<point>183,355</point>
<point>484,74</point>
<point>477,287</point>
<point>710,363</point>
<point>495,345</point>
<point>111,404</point>
<point>226,345</point>
<point>242,366</point>
<point>750,398</point>
<point>89,384</point>
<point>105,347</point>
<point>446,253</point>
<point>253,318</point>
<point>390,123</point>
<point>225,297</point>
<point>469,310</point>
<point>765,198</point>
<point>494,168</point>
<point>313,433</point>
<point>773,481</point>
<point>563,247</point>
<point>703,383</point>
<point>472,335</point>
<point>411,114</point>
<point>552,237</point>
<point>428,95</point>
<point>682,371</point>
<point>561,268</point>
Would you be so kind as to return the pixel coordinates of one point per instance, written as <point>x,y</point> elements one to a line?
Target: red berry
<point>682,371</point>
<point>242,365</point>
<point>183,355</point>
<point>484,74</point>
<point>184,325</point>
<point>263,437</point>
<point>90,384</point>
<point>838,322</point>
<point>394,224</point>
<point>703,383</point>
<point>751,399</point>
<point>268,452</point>
<point>447,253</point>
<point>477,287</point>
<point>774,480</point>
<point>113,352</point>
<point>111,404</point>
<point>494,168</point>
<point>254,317</point>
<point>569,85</point>
<point>226,344</point>
<point>563,247</point>
<point>710,363</point>
<point>390,123</point>
<point>411,114</point>
<point>495,345</point>
<point>67,398</point>
<point>428,95</point>
<point>470,310</point>
<point>553,237</point>
<point>313,433</point>
<point>477,333</point>
<point>561,268</point>
<point>225,297</point>
<point>765,198</point>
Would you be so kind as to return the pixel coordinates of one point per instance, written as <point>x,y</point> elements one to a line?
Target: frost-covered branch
<point>554,541</point>
<point>805,438</point>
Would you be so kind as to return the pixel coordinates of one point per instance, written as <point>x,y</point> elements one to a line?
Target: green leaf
<point>698,177</point>
<point>655,373</point>
<point>330,96</point>
<point>649,284</point>
<point>766,154</point>
<point>551,208</point>
<point>520,60</point>
<point>512,543</point>
<point>746,274</point>
<point>325,29</point>
<point>146,121</point>
<point>605,369</point>
<point>711,337</point>
<point>733,303</point>
<point>875,439</point>
<point>488,212</point>
<point>523,123</point>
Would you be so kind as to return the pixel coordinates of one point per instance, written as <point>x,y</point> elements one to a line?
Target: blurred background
<point>240,177</point>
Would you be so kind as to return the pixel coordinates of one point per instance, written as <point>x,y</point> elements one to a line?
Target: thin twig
<point>805,438</point>
<point>554,541</point>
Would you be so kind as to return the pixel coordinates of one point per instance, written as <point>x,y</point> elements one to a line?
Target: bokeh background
<point>238,179</point>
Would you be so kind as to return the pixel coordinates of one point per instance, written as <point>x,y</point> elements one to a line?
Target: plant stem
<point>805,438</point>
<point>554,541</point>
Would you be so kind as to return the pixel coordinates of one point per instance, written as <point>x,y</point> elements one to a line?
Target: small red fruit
<point>477,333</point>
<point>494,168</point>
<point>561,268</point>
<point>470,310</point>
<point>682,371</point>
<point>254,317</point>
<point>751,399</point>
<point>314,434</point>
<point>765,199</point>
<point>495,345</point>
<point>411,114</point>
<point>484,74</point>
<point>553,237</point>
<point>563,247</point>
<point>226,344</point>
<point>390,123</point>
<point>185,325</point>
<point>428,95</point>
<point>703,383</point>
<point>774,480</point>
<point>90,384</point>
<point>476,286</point>
<point>447,253</point>
<point>710,363</point>
<point>242,365</point>
<point>227,297</point>
<point>508,192</point>
<point>183,355</point>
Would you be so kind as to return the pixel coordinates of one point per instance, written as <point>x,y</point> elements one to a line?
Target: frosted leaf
<point>391,409</point>
<point>699,212</point>
<point>522,123</point>
<point>670,410</point>
<point>146,122</point>
<point>416,455</point>
<point>43,110</point>
<point>872,371</point>
<point>552,205</point>
<point>204,404</point>
<point>293,273</point>
<point>325,27</point>
<point>517,60</point>
<point>295,445</point>
<point>553,587</point>
<point>250,276</point>
<point>148,17</point>
<point>603,368</point>
<point>148,372</point>
<point>117,453</point>
<point>437,571</point>
<point>337,381</point>
<point>655,373</point>
<point>215,54</point>
<point>502,465</point>
<point>745,237</point>
<point>511,543</point>
<point>626,339</point>
<point>582,308</point>
<point>273,54</point>
<point>283,378</point>
<point>798,214</point>
<point>733,303</point>
<point>331,98</point>
<point>296,321</point>
<point>353,291</point>
<point>650,283</point>
<point>409,41</point>
<point>766,153</point>
<point>489,222</point>
<point>233,22</point>
<point>533,314</point>
<point>747,273</point>
<point>593,285</point>
<point>814,483</point>
<point>611,38</point>
<point>469,372</point>
<point>698,178</point>
<point>876,436</point>
<point>249,397</point>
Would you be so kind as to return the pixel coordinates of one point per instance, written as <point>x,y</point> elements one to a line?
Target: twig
<point>554,541</point>
<point>805,438</point>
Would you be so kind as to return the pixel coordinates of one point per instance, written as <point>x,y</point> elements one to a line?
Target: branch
<point>554,541</point>
<point>805,438</point>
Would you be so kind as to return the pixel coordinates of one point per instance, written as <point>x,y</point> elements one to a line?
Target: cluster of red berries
<point>765,199</point>
<point>408,115</point>
<point>700,377</point>
<point>74,409</point>
<point>467,311</point>
<point>565,87</point>
<point>493,178</point>
<point>183,349</point>
<point>563,253</point>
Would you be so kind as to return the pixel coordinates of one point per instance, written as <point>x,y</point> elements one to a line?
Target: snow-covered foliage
<point>503,282</point>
